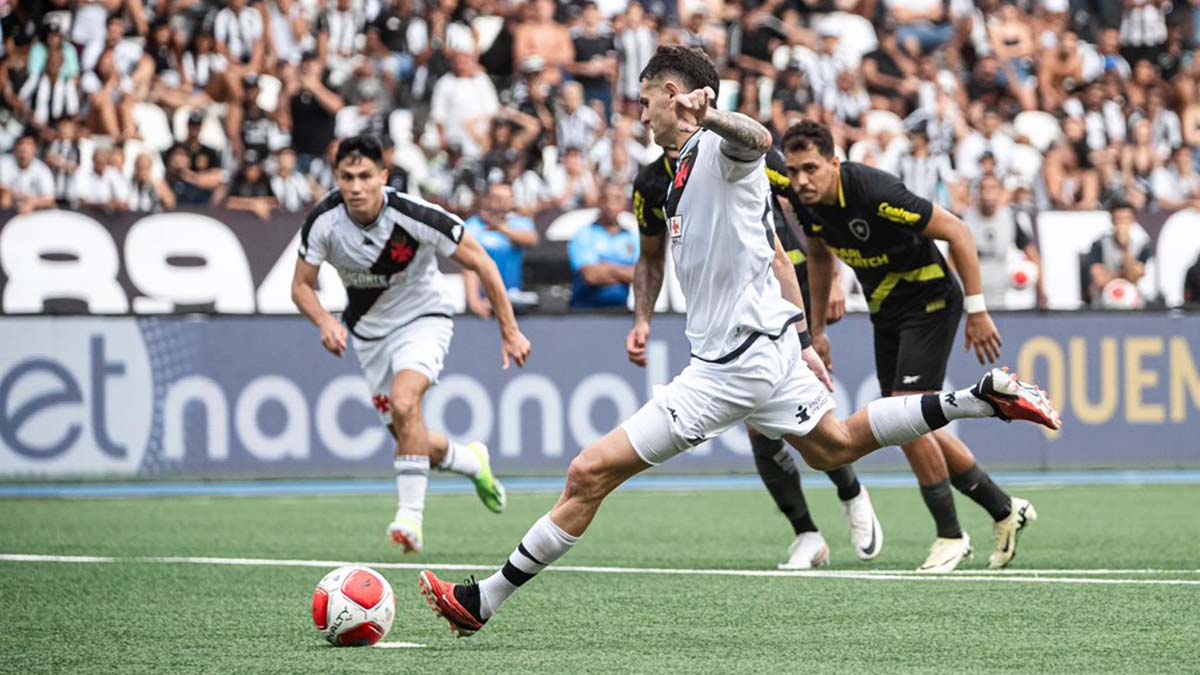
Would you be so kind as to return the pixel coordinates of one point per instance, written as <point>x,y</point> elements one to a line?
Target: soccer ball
<point>353,606</point>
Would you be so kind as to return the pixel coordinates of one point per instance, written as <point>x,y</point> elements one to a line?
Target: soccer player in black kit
<point>775,465</point>
<point>868,219</point>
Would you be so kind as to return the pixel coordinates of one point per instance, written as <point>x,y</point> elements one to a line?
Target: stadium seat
<point>153,126</point>
<point>212,133</point>
<point>1026,162</point>
<point>1065,236</point>
<point>566,225</point>
<point>1178,248</point>
<point>1041,128</point>
<point>856,35</point>
<point>877,122</point>
<point>400,126</point>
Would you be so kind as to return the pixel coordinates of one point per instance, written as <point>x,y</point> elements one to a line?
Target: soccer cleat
<point>487,486</point>
<point>405,531</point>
<point>453,602</point>
<point>1008,530</point>
<point>946,554</point>
<point>866,536</point>
<point>808,551</point>
<point>1012,399</point>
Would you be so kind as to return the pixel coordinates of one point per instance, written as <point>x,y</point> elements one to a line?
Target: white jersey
<point>389,268</point>
<point>722,231</point>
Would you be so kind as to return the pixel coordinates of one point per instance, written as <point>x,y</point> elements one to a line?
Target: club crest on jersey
<point>401,252</point>
<point>860,229</point>
<point>675,224</point>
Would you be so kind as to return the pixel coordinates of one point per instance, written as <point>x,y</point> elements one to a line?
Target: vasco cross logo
<point>859,228</point>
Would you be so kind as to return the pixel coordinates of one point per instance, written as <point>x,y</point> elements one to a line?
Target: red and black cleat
<point>1013,399</point>
<point>451,601</point>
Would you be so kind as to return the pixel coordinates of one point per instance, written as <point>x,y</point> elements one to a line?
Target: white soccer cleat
<point>1008,530</point>
<point>946,554</point>
<point>405,531</point>
<point>807,552</point>
<point>865,533</point>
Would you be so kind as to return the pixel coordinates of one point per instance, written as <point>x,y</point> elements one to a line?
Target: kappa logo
<point>860,229</point>
<point>951,398</point>
<point>897,214</point>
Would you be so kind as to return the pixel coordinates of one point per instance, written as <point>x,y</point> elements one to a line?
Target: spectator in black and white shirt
<point>104,187</point>
<point>635,43</point>
<point>595,57</point>
<point>149,193</point>
<point>338,29</point>
<point>578,126</point>
<point>925,174</point>
<point>238,30</point>
<point>51,96</point>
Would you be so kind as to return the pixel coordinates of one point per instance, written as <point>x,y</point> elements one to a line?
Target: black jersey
<point>876,227</point>
<point>650,196</point>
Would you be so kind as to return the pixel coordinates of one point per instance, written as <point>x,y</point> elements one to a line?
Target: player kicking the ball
<point>752,359</point>
<point>874,224</point>
<point>383,244</point>
<point>774,463</point>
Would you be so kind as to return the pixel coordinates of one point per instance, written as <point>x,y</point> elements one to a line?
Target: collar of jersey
<point>841,193</point>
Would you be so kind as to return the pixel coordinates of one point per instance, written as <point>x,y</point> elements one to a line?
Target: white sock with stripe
<point>461,460</point>
<point>412,477</point>
<point>542,545</point>
<point>900,419</point>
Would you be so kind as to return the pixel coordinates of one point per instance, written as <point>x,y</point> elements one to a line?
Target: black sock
<point>782,479</point>
<point>939,499</point>
<point>846,481</point>
<point>976,484</point>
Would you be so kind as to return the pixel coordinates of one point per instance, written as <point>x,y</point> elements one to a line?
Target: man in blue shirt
<point>603,255</point>
<point>505,235</point>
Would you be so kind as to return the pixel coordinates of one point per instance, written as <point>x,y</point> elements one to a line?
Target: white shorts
<point>420,346</point>
<point>769,387</point>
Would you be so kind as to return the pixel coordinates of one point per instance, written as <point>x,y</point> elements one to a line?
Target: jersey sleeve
<point>895,203</point>
<point>649,193</point>
<point>314,240</point>
<point>443,230</point>
<point>581,252</point>
<point>732,168</point>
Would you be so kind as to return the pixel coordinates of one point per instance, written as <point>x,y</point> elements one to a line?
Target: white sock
<point>543,544</point>
<point>900,419</point>
<point>461,460</point>
<point>412,477</point>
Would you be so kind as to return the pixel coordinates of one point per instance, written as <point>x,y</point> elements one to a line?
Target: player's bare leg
<point>928,464</point>
<point>593,475</point>
<point>414,455</point>
<point>1010,514</point>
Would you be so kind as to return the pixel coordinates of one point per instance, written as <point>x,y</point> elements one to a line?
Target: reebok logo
<point>911,379</point>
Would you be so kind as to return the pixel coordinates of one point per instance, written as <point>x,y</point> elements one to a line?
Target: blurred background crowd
<point>502,110</point>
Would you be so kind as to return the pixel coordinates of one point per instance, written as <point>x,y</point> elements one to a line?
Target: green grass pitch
<point>142,617</point>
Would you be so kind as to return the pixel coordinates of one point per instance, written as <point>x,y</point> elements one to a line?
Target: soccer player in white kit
<point>384,246</point>
<point>752,360</point>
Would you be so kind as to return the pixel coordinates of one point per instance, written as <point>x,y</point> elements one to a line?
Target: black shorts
<point>911,355</point>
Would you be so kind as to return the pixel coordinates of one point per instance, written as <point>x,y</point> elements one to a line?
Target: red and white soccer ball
<point>1120,294</point>
<point>353,606</point>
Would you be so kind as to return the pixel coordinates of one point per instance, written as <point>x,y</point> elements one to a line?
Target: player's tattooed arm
<point>742,137</point>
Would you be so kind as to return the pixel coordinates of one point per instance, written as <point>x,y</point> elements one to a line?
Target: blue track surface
<point>517,485</point>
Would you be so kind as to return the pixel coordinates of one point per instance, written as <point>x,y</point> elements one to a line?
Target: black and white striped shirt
<point>1143,25</point>
<point>51,100</point>
<point>635,47</point>
<point>238,32</point>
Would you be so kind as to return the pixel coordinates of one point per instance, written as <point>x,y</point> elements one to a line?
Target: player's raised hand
<point>817,366</point>
<point>517,348</point>
<point>983,336</point>
<point>690,109</point>
<point>333,337</point>
<point>635,343</point>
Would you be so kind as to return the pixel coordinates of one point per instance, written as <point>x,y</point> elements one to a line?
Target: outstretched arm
<point>473,257</point>
<point>647,282</point>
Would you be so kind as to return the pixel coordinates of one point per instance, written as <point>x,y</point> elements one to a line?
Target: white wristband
<point>974,304</point>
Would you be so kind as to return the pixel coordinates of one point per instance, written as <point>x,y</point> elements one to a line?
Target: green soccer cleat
<point>487,486</point>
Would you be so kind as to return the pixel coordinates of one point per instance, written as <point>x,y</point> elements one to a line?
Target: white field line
<point>1010,576</point>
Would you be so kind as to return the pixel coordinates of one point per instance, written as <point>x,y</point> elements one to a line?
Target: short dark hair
<point>364,146</point>
<point>691,64</point>
<point>1120,204</point>
<point>808,134</point>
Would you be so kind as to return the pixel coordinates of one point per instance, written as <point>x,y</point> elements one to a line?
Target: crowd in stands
<point>500,109</point>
